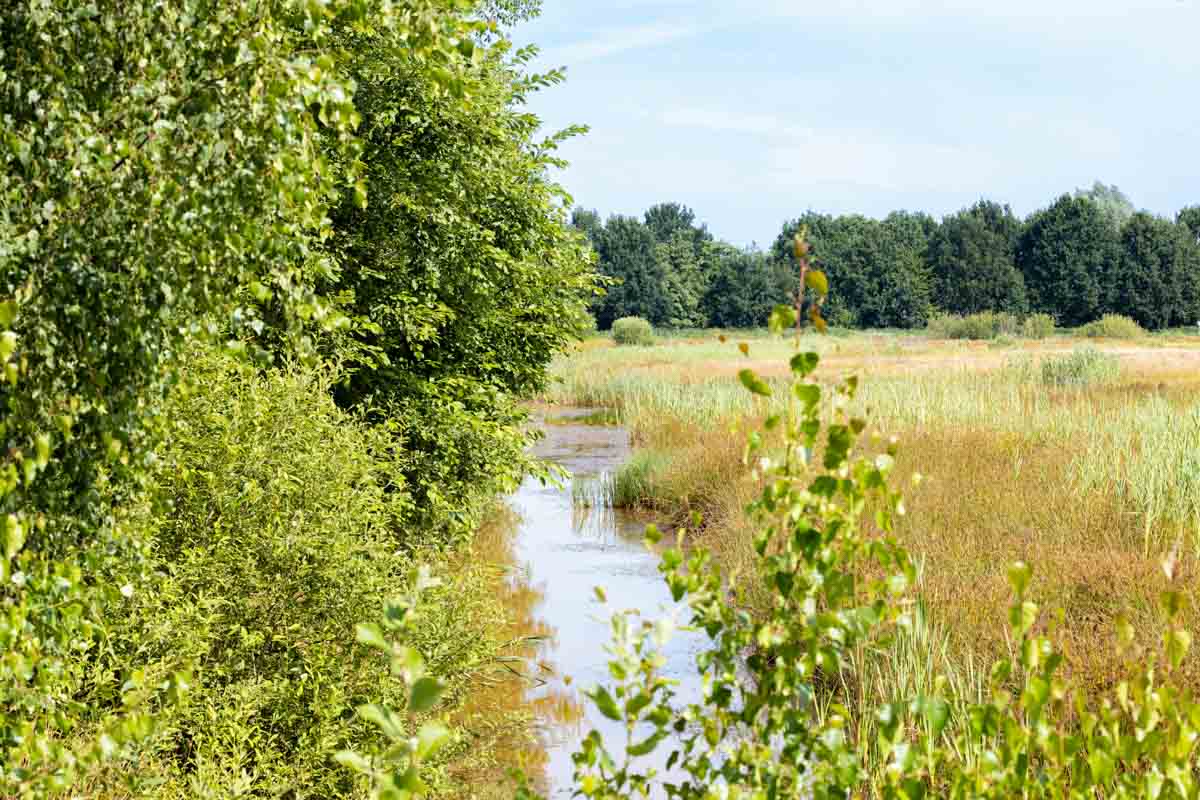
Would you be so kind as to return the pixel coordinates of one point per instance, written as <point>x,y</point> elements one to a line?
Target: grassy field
<point>1079,456</point>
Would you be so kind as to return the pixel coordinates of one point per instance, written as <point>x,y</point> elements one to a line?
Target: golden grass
<point>1092,485</point>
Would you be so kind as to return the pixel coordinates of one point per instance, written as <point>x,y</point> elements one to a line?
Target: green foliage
<point>461,274</point>
<point>1068,255</point>
<point>160,180</point>
<point>983,325</point>
<point>877,270</point>
<point>633,331</point>
<point>396,773</point>
<point>177,173</point>
<point>972,256</point>
<point>626,250</point>
<point>1113,326</point>
<point>1115,207</point>
<point>1190,218</point>
<point>683,281</point>
<point>1081,367</point>
<point>1038,326</point>
<point>1158,283</point>
<point>743,287</point>
<point>279,537</point>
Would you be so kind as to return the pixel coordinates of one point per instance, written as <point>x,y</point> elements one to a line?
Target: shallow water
<point>563,553</point>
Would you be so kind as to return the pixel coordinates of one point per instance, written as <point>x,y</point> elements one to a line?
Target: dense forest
<point>1086,254</point>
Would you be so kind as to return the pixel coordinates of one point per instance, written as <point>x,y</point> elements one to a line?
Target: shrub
<point>282,534</point>
<point>633,331</point>
<point>983,325</point>
<point>1082,367</point>
<point>1037,326</point>
<point>277,543</point>
<point>1113,326</point>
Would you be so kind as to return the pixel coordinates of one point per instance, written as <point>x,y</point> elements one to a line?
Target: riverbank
<point>1091,478</point>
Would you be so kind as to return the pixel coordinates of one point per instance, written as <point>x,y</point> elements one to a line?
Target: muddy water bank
<point>561,552</point>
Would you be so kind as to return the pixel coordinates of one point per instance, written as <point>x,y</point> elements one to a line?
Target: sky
<point>754,112</point>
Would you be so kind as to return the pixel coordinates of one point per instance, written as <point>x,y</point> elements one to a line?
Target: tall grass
<point>1060,458</point>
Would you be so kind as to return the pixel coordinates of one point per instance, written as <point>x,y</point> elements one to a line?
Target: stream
<point>563,552</point>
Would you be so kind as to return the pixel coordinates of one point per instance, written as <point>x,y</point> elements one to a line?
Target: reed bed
<point>1081,459</point>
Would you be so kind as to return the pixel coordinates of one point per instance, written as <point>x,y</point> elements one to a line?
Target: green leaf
<point>8,344</point>
<point>370,634</point>
<point>605,703</point>
<point>1018,577</point>
<point>647,745</point>
<point>425,694</point>
<point>14,536</point>
<point>1179,642</point>
<point>383,717</point>
<point>809,394</point>
<point>804,363</point>
<point>754,383</point>
<point>817,281</point>
<point>431,737</point>
<point>352,760</point>
<point>782,317</point>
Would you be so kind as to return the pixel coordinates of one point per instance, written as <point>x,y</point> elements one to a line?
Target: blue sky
<point>754,112</point>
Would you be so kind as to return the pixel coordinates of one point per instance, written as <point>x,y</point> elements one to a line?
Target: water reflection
<point>557,552</point>
<point>517,693</point>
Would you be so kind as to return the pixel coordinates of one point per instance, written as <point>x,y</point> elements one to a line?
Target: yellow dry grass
<point>1093,486</point>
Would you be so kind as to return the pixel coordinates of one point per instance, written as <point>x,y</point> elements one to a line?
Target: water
<point>564,552</point>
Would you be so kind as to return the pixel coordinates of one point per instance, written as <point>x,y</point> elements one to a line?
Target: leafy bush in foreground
<point>632,331</point>
<point>1113,326</point>
<point>279,540</point>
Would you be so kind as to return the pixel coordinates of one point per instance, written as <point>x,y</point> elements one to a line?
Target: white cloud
<point>620,40</point>
<point>802,155</point>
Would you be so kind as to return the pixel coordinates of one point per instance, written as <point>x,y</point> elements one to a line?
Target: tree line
<point>1088,253</point>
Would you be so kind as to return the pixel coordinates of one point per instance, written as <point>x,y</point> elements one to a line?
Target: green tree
<point>1112,202</point>
<point>877,271</point>
<point>1067,256</point>
<point>665,219</point>
<point>742,289</point>
<point>461,272</point>
<point>972,257</point>
<point>161,179</point>
<point>627,253</point>
<point>1190,218</point>
<point>588,222</point>
<point>683,281</point>
<point>1159,272</point>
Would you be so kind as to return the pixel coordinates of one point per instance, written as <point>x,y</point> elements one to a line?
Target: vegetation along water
<point>345,455</point>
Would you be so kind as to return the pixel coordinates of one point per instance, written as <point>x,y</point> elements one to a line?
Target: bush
<point>1083,367</point>
<point>633,331</point>
<point>984,325</point>
<point>281,534</point>
<point>1113,326</point>
<point>1037,326</point>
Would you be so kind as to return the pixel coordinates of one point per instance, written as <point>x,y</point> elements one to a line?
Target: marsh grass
<point>1060,457</point>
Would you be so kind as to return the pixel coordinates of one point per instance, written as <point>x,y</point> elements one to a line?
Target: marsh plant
<point>772,722</point>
